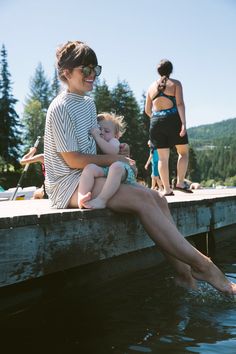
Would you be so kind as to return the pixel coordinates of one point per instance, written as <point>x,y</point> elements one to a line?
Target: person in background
<point>153,159</point>
<point>165,106</point>
<point>69,147</point>
<point>29,158</point>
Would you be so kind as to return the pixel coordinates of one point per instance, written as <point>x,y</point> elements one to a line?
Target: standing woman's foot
<point>167,192</point>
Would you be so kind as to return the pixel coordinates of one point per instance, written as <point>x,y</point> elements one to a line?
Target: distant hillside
<point>210,134</point>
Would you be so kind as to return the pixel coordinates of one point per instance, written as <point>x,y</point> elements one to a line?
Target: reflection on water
<point>142,313</point>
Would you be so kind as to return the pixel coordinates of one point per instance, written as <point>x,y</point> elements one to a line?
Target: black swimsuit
<point>165,125</point>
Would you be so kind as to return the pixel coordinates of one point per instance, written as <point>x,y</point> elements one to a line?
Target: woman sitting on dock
<point>68,148</point>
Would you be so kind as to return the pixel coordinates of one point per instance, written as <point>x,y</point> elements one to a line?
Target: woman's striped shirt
<point>69,120</point>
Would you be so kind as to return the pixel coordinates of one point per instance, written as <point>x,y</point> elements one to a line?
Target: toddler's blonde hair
<point>118,121</point>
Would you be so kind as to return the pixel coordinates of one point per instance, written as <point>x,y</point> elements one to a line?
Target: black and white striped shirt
<point>69,120</point>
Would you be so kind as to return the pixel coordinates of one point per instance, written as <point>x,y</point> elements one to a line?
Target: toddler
<point>107,138</point>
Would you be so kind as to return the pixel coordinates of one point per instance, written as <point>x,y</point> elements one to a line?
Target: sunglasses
<point>87,70</point>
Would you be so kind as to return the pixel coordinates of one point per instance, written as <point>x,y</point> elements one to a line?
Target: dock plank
<point>36,240</point>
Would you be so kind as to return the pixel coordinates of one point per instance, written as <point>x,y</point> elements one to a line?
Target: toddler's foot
<point>96,203</point>
<point>83,198</point>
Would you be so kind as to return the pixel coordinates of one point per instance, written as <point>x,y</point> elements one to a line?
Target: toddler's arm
<point>107,147</point>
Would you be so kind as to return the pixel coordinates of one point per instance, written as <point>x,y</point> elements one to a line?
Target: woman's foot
<point>183,187</point>
<point>212,274</point>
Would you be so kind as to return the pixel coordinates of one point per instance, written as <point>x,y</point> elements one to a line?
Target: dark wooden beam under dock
<point>36,240</point>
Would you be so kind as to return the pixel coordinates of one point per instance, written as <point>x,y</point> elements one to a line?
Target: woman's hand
<point>26,157</point>
<point>183,131</point>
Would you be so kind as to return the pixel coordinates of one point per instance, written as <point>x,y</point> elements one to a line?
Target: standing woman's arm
<point>148,105</point>
<point>181,107</point>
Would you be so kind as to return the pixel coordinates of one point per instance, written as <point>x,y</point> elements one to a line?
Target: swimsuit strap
<point>161,93</point>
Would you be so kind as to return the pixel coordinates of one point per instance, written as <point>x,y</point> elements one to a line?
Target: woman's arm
<point>181,107</point>
<point>77,160</point>
<point>31,158</point>
<point>148,105</point>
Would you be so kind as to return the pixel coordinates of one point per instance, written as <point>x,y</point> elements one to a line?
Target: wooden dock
<point>36,240</point>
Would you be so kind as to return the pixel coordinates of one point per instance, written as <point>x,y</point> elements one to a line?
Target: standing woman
<point>165,106</point>
<point>69,147</point>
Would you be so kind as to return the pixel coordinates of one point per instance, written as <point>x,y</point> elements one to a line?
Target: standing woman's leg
<point>163,167</point>
<point>182,164</point>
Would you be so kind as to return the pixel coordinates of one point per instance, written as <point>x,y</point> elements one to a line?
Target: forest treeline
<point>215,148</point>
<point>212,147</point>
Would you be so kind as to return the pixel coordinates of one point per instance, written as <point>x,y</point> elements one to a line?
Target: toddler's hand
<point>95,131</point>
<point>133,165</point>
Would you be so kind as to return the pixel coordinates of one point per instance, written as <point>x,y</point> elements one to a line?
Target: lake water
<point>142,313</point>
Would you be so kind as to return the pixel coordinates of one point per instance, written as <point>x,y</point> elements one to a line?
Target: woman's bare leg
<point>163,167</point>
<point>163,232</point>
<point>182,164</point>
<point>183,276</point>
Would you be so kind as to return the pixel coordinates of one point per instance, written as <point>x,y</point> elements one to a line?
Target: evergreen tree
<point>102,97</point>
<point>125,104</point>
<point>34,117</point>
<point>40,88</point>
<point>193,168</point>
<point>56,86</point>
<point>9,120</point>
<point>36,106</point>
<point>143,149</point>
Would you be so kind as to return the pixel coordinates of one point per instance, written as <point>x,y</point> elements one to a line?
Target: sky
<point>130,37</point>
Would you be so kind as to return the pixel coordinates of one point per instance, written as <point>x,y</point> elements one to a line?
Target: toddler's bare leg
<point>90,172</point>
<point>112,184</point>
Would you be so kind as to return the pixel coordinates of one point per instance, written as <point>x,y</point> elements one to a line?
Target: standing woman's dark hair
<point>164,69</point>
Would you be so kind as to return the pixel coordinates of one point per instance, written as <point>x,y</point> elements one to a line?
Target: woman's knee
<point>132,199</point>
<point>160,199</point>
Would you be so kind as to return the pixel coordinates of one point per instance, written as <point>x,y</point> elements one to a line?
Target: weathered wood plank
<point>36,240</point>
